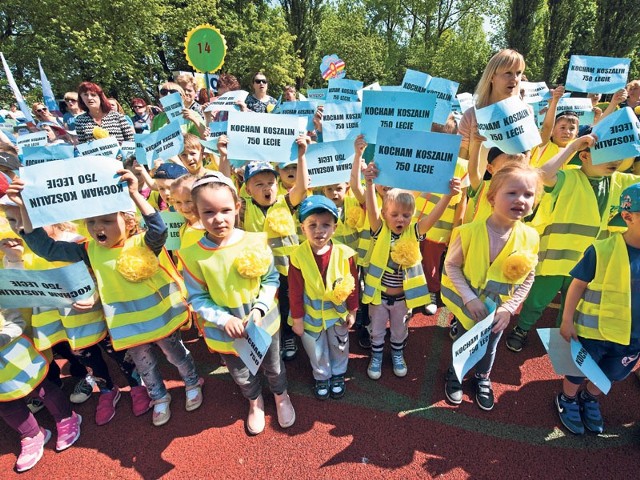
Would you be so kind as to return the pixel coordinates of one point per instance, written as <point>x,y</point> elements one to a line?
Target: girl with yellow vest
<point>324,297</point>
<point>140,290</point>
<point>492,259</point>
<point>231,279</point>
<point>602,312</point>
<point>22,370</point>
<point>395,282</point>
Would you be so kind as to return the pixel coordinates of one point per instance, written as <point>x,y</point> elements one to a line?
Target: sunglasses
<point>138,106</point>
<point>260,80</point>
<point>40,110</point>
<point>70,100</point>
<point>167,91</point>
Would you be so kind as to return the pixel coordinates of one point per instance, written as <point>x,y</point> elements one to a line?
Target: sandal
<point>337,386</point>
<point>321,389</point>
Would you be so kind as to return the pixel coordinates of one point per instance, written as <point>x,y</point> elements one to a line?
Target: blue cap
<point>253,168</point>
<point>629,202</point>
<point>170,171</point>
<point>282,165</point>
<point>316,204</point>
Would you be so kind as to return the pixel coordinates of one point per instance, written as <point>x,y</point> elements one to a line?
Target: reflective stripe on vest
<point>22,368</point>
<point>80,329</point>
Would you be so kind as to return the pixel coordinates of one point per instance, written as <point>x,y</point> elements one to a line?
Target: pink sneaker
<point>32,449</point>
<point>140,400</point>
<point>107,406</point>
<point>68,431</point>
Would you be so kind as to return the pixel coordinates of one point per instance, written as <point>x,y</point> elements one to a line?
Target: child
<point>231,279</point>
<point>192,156</point>
<point>192,230</point>
<point>602,312</point>
<point>142,300</point>
<point>15,385</point>
<point>395,282</point>
<point>324,298</point>
<point>163,177</point>
<point>570,217</point>
<point>492,259</point>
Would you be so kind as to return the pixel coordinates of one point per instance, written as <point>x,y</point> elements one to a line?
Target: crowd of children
<point>258,246</point>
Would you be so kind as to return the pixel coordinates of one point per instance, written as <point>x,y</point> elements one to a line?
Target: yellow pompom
<point>254,262</point>
<point>342,289</point>
<point>270,108</point>
<point>354,217</point>
<point>406,252</point>
<point>137,264</point>
<point>99,132</point>
<point>280,221</point>
<point>519,264</point>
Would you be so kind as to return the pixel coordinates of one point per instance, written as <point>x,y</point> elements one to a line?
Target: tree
<point>521,25</point>
<point>558,35</point>
<point>617,29</point>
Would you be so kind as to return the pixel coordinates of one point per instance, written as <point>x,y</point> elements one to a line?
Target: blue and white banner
<point>54,288</point>
<point>127,149</point>
<point>559,351</point>
<point>104,147</point>
<point>341,121</point>
<point>597,74</point>
<point>589,368</point>
<point>535,92</point>
<point>508,125</point>
<point>172,105</point>
<point>466,101</point>
<point>216,130</point>
<point>161,144</point>
<point>618,137</point>
<point>24,108</point>
<point>253,347</point>
<point>402,110</point>
<point>317,94</point>
<point>173,221</point>
<point>305,109</point>
<point>329,162</point>
<point>35,139</point>
<point>469,349</point>
<point>47,92</point>
<point>416,81</point>
<point>343,90</point>
<point>227,102</point>
<point>259,136</point>
<point>421,161</point>
<point>445,91</point>
<point>67,190</point>
<point>374,86</point>
<point>582,107</point>
<point>46,153</point>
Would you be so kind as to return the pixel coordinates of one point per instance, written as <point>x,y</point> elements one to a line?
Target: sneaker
<point>517,339</point>
<point>590,414</point>
<point>484,394</point>
<point>452,388</point>
<point>35,404</point>
<point>321,389</point>
<point>454,331</point>
<point>289,349</point>
<point>68,431</point>
<point>194,395</point>
<point>284,410</point>
<point>569,413</point>
<point>337,387</point>
<point>31,450</point>
<point>255,417</point>
<point>375,366</point>
<point>82,391</point>
<point>140,401</point>
<point>161,410</point>
<point>399,365</point>
<point>106,409</point>
<point>432,307</point>
<point>364,338</point>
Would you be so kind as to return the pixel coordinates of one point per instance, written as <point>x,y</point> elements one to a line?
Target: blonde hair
<point>185,79</point>
<point>513,170</point>
<point>504,59</point>
<point>172,86</point>
<point>191,141</point>
<point>404,198</point>
<point>184,179</point>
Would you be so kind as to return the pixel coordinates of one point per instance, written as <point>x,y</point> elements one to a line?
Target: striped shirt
<point>115,123</point>
<point>394,278</point>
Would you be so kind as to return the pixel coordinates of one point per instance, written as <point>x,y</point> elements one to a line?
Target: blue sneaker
<point>591,416</point>
<point>399,365</point>
<point>375,366</point>
<point>569,413</point>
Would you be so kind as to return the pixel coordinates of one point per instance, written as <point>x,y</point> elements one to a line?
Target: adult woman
<point>196,123</point>
<point>42,114</point>
<point>259,101</point>
<point>226,83</point>
<point>142,115</point>
<point>500,80</point>
<point>190,88</point>
<point>98,113</point>
<point>73,110</point>
<point>290,94</point>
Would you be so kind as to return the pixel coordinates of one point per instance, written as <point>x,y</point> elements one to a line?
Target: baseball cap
<point>214,177</point>
<point>316,204</point>
<point>629,202</point>
<point>253,168</point>
<point>282,165</point>
<point>170,171</point>
<point>9,161</point>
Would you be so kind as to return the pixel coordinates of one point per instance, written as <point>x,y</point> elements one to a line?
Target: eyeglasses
<point>138,106</point>
<point>167,91</point>
<point>260,80</point>
<point>70,100</point>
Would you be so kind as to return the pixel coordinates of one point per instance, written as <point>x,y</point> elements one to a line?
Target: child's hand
<point>84,305</point>
<point>302,144</point>
<point>586,141</point>
<point>568,330</point>
<point>620,96</point>
<point>317,120</point>
<point>477,309</point>
<point>556,93</point>
<point>14,192</point>
<point>371,172</point>
<point>298,326</point>
<point>350,320</point>
<point>454,186</point>
<point>360,144</point>
<point>234,328</point>
<point>475,137</point>
<point>242,105</point>
<point>13,249</point>
<point>189,114</point>
<point>130,178</point>
<point>255,315</point>
<point>206,133</point>
<point>501,320</point>
<point>223,141</point>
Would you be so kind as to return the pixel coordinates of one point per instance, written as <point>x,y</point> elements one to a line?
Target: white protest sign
<point>416,81</point>
<point>46,153</point>
<point>162,144</point>
<point>329,162</point>
<point>374,86</point>
<point>227,102</point>
<point>306,109</point>
<point>618,137</point>
<point>253,347</point>
<point>174,222</point>
<point>173,106</point>
<point>104,147</point>
<point>34,139</point>
<point>471,346</point>
<point>262,136</point>
<point>582,107</point>
<point>466,101</point>
<point>559,351</point>
<point>589,367</point>
<point>66,190</point>
<point>54,288</point>
<point>445,91</point>
<point>343,90</point>
<point>535,92</point>
<point>127,149</point>
<point>591,74</point>
<point>341,121</point>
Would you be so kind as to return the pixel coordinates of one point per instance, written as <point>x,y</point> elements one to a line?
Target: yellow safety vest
<point>215,270</point>
<point>486,278</point>
<point>604,311</point>
<point>142,312</point>
<point>320,312</point>
<point>22,368</point>
<point>413,281</point>
<point>345,234</point>
<point>365,241</point>
<point>573,222</point>
<point>256,221</point>
<point>479,207</point>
